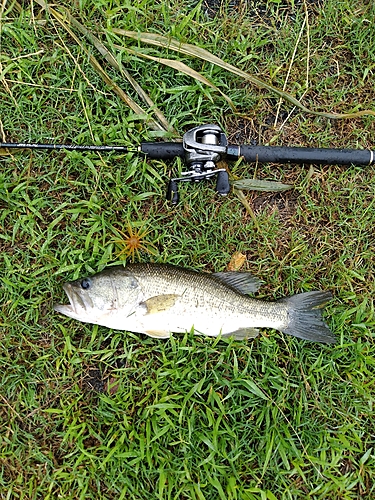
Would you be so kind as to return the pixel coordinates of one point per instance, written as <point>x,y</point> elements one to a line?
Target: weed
<point>133,242</point>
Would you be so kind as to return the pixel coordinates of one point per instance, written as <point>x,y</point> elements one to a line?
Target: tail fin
<point>305,317</point>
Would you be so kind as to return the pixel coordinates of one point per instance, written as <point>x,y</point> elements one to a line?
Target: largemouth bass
<point>158,299</point>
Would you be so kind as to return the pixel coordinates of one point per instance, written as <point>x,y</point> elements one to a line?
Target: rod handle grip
<point>162,150</point>
<point>317,156</point>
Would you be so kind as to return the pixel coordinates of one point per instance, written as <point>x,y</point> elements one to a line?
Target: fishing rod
<point>204,146</point>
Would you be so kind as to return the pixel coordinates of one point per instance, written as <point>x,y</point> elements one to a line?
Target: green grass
<point>90,413</point>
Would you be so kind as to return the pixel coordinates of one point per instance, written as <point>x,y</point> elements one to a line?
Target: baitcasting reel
<point>203,146</point>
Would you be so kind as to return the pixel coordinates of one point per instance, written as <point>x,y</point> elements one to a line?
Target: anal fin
<point>243,333</point>
<point>158,334</point>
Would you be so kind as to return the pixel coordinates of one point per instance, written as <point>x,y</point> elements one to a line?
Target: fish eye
<point>86,283</point>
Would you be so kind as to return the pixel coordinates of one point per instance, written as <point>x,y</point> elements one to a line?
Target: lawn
<point>91,413</point>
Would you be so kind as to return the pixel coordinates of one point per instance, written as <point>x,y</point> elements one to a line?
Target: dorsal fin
<point>241,282</point>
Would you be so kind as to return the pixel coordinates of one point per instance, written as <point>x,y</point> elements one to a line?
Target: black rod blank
<point>67,147</point>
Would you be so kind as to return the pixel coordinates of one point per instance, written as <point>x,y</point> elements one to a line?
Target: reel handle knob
<point>222,183</point>
<point>172,192</point>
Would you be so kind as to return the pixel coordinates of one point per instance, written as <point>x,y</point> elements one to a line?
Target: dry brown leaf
<point>236,262</point>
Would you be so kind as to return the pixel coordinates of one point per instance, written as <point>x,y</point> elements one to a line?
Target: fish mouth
<point>77,304</point>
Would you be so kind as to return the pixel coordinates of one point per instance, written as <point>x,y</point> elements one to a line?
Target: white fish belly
<point>182,318</point>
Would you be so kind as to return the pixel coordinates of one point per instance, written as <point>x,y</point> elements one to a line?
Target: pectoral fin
<point>243,333</point>
<point>159,303</point>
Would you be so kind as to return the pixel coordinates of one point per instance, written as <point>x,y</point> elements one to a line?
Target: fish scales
<point>207,295</point>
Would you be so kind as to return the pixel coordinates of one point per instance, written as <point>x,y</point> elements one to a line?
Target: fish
<point>161,299</point>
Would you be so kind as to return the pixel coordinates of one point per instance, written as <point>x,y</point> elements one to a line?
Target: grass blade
<point>260,185</point>
<point>100,70</point>
<point>182,68</point>
<point>113,62</point>
<point>205,55</point>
